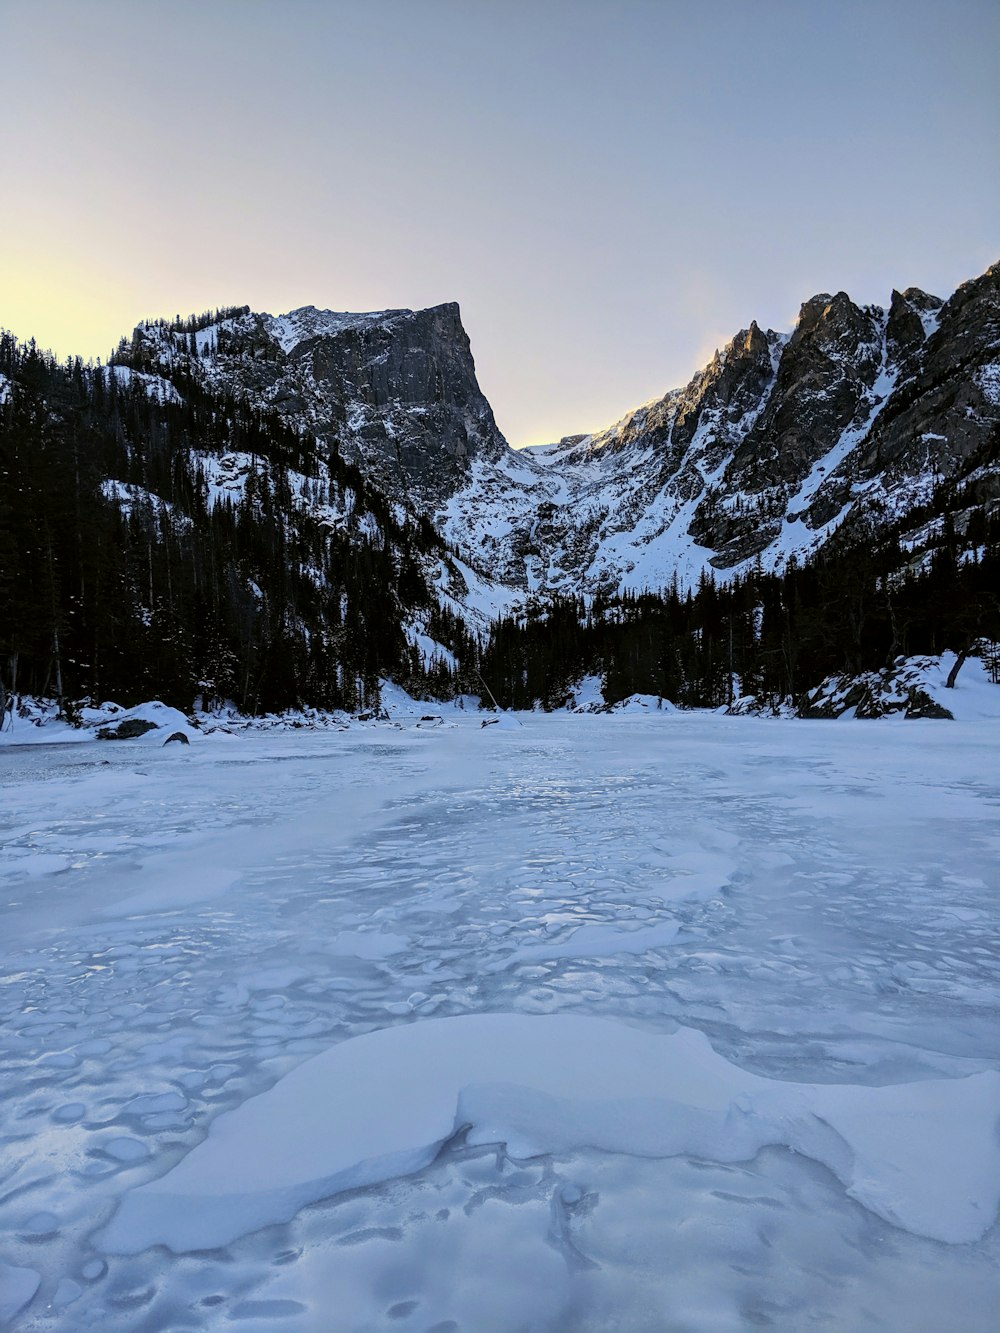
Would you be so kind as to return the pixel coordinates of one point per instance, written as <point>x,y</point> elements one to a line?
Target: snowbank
<point>587,696</point>
<point>228,720</point>
<point>38,721</point>
<point>974,697</point>
<point>641,703</point>
<point>400,706</point>
<point>503,721</point>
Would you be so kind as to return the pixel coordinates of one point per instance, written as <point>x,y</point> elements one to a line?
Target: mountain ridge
<point>762,456</point>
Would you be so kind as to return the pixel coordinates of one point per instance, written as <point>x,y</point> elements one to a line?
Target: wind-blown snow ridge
<point>923,1156</point>
<point>296,326</point>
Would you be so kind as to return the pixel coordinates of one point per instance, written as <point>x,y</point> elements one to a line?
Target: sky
<point>610,190</point>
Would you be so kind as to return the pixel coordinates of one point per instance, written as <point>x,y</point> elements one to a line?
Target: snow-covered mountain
<point>783,440</point>
<point>850,421</point>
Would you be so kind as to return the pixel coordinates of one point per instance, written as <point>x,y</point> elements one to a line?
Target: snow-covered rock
<point>37,721</point>
<point>642,703</point>
<point>151,723</point>
<point>913,687</point>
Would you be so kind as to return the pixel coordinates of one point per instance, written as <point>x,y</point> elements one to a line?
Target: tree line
<point>854,607</point>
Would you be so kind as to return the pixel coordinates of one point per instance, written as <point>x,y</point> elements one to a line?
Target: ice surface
<point>599,942</point>
<point>17,1287</point>
<point>368,944</point>
<point>800,916</point>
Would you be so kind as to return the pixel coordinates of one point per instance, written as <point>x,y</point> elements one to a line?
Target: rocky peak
<point>946,412</point>
<point>834,326</point>
<point>753,342</point>
<point>731,388</point>
<point>823,392</point>
<point>826,371</point>
<point>971,317</point>
<point>401,394</point>
<point>912,318</point>
<point>812,310</point>
<point>393,390</point>
<point>716,406</point>
<point>920,300</point>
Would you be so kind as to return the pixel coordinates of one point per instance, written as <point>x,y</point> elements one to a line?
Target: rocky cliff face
<point>944,415</point>
<point>396,391</point>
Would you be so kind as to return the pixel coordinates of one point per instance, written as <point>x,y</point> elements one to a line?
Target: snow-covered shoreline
<point>975,697</point>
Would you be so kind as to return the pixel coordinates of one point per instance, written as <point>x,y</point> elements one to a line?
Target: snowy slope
<point>762,458</point>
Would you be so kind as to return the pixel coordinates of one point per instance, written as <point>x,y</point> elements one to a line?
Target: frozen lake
<point>677,1022</point>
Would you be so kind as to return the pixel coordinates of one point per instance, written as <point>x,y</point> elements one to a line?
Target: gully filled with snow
<point>649,1022</point>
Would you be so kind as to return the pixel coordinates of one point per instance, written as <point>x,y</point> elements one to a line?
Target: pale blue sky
<point>609,190</point>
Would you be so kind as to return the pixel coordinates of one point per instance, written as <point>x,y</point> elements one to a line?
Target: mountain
<point>779,444</point>
<point>285,508</point>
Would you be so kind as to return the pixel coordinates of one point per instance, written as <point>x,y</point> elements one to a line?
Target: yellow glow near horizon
<point>584,179</point>
<point>63,306</point>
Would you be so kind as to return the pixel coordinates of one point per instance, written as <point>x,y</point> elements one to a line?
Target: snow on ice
<point>384,1104</point>
<point>646,1020</point>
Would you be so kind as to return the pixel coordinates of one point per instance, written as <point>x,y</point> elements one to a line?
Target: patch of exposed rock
<point>899,689</point>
